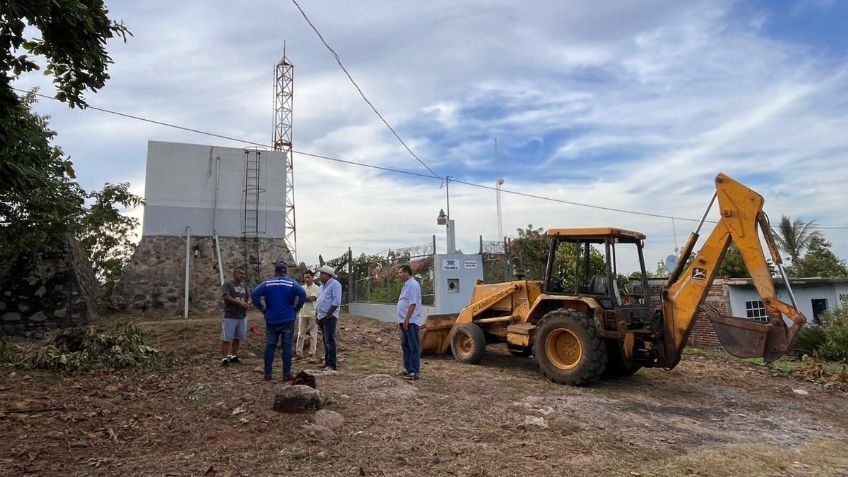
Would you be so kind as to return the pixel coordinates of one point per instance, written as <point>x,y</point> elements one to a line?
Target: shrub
<point>809,341</point>
<point>835,325</point>
<point>80,349</point>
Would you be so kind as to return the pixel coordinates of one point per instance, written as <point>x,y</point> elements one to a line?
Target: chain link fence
<point>376,277</point>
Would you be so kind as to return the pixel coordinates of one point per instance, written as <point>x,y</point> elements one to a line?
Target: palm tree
<point>793,236</point>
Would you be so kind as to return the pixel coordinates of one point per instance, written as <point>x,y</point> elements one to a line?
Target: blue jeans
<point>328,329</point>
<point>273,333</point>
<point>411,349</point>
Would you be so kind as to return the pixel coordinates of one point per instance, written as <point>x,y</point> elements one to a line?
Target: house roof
<point>779,281</point>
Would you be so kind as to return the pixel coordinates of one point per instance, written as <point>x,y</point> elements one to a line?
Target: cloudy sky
<point>630,105</point>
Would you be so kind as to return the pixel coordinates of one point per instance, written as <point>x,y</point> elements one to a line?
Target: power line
<point>342,66</point>
<point>398,171</point>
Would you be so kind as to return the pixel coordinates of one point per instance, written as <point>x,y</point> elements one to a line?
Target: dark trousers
<point>411,349</point>
<point>274,332</point>
<point>328,330</point>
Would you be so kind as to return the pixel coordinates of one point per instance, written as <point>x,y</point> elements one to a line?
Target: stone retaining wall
<point>155,277</point>
<point>58,290</point>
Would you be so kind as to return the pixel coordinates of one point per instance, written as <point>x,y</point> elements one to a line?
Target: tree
<point>819,261</point>
<point>732,266</point>
<point>661,272</point>
<point>107,235</point>
<point>794,236</point>
<point>43,217</point>
<point>530,250</point>
<point>72,41</point>
<point>43,214</point>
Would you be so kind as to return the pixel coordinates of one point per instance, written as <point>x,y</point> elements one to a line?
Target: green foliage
<point>830,340</point>
<point>661,272</point>
<point>53,208</point>
<point>809,341</point>
<point>70,36</point>
<point>819,261</point>
<point>794,236</point>
<point>732,265</point>
<point>108,236</point>
<point>835,324</point>
<point>86,348</point>
<point>378,279</point>
<point>569,264</point>
<point>530,252</point>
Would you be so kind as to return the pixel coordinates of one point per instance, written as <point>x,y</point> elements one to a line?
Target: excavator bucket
<point>435,334</point>
<point>744,338</point>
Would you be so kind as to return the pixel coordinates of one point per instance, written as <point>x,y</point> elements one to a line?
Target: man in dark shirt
<point>234,327</point>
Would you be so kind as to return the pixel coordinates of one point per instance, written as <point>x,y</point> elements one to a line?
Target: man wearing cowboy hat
<point>329,301</point>
<point>279,298</point>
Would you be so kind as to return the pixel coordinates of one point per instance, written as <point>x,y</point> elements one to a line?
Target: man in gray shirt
<point>234,327</point>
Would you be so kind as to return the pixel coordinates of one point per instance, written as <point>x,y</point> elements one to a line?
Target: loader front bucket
<point>435,334</point>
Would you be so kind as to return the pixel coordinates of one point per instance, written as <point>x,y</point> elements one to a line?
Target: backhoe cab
<point>587,319</point>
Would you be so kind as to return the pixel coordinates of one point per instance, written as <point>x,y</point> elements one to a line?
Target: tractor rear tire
<point>616,363</point>
<point>468,343</point>
<point>568,349</point>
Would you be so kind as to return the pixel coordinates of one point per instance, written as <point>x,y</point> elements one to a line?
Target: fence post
<point>351,295</point>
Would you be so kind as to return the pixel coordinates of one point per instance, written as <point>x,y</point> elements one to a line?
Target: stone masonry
<point>155,277</point>
<point>58,290</point>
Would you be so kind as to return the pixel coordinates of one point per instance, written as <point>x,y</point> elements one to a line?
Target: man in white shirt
<point>306,324</point>
<point>410,321</point>
<point>329,302</point>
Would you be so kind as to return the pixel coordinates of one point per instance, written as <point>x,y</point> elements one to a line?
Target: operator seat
<point>598,284</point>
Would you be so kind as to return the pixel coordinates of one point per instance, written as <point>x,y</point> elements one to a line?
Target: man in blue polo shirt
<point>279,298</point>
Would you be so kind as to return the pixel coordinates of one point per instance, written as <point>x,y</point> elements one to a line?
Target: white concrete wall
<point>179,189</point>
<point>804,295</point>
<point>383,312</point>
<point>841,292</point>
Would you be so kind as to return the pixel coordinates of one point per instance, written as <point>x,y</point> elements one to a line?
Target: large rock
<point>385,386</point>
<point>298,398</point>
<point>329,419</point>
<point>317,432</point>
<point>11,316</point>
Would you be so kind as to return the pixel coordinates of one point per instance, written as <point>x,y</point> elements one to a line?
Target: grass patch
<point>824,457</point>
<point>809,368</point>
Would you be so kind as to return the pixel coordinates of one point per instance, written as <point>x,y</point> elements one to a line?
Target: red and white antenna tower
<point>282,140</point>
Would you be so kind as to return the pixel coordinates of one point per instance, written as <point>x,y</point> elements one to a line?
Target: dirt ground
<point>709,416</point>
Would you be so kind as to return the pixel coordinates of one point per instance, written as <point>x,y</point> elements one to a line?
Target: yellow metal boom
<point>741,212</point>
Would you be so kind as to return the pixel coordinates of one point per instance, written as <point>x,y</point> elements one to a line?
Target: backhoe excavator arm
<point>741,213</point>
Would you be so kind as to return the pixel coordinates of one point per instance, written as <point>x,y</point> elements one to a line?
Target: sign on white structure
<point>470,264</point>
<point>450,264</point>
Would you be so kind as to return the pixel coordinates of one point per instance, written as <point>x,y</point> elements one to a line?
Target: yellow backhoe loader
<point>583,321</point>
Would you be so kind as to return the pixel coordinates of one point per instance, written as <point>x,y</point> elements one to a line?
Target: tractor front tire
<point>568,349</point>
<point>617,364</point>
<point>468,343</point>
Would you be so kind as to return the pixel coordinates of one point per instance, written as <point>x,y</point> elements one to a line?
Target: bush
<point>835,325</point>
<point>809,341</point>
<point>80,349</point>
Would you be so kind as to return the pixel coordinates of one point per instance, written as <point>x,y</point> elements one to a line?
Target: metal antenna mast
<point>498,185</point>
<point>282,140</point>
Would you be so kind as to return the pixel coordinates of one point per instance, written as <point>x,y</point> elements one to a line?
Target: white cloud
<point>634,106</point>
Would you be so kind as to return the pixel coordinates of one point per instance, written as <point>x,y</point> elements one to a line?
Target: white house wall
<point>179,190</point>
<point>739,294</point>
